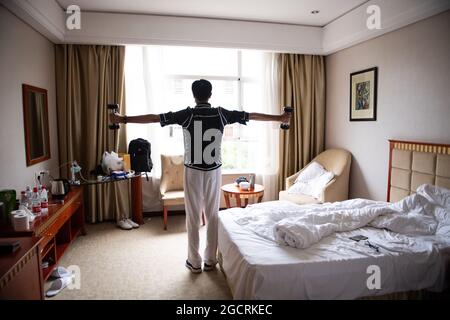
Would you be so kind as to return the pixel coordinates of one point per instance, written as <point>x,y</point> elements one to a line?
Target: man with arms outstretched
<point>202,131</point>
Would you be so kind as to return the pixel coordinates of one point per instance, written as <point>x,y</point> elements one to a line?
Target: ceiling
<point>275,11</point>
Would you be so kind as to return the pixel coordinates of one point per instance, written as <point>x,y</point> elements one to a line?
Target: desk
<point>58,228</point>
<point>20,271</point>
<point>136,194</point>
<point>232,190</point>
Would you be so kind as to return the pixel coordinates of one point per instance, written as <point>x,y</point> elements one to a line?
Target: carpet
<point>143,263</point>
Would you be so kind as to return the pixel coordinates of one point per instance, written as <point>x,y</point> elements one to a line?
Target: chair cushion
<point>297,198</point>
<point>172,172</point>
<point>173,198</point>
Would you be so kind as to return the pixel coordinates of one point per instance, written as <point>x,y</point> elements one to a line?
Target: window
<point>159,79</point>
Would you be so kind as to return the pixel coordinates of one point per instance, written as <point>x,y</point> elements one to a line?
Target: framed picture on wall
<point>363,95</point>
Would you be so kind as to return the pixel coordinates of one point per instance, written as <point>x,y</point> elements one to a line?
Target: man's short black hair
<point>202,89</point>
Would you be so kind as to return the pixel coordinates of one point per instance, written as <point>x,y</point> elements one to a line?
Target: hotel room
<point>224,150</point>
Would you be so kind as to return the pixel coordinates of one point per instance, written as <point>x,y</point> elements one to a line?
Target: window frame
<point>237,78</point>
<point>240,80</point>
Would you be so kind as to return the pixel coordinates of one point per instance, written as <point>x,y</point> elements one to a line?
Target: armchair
<point>171,186</point>
<point>337,161</point>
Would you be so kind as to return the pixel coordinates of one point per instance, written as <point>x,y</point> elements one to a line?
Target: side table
<point>231,190</point>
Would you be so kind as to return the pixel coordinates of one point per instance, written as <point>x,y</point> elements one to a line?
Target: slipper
<point>132,223</point>
<point>57,286</point>
<point>60,272</point>
<point>123,224</point>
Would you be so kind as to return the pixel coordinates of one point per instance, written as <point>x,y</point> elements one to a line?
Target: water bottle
<point>44,199</point>
<point>36,202</point>
<point>24,201</point>
<point>29,194</point>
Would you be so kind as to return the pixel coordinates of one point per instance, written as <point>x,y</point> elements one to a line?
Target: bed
<point>339,268</point>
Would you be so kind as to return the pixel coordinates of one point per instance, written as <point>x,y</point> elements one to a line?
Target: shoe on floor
<point>192,268</point>
<point>60,272</point>
<point>132,223</point>
<point>57,286</point>
<point>209,267</point>
<point>123,224</point>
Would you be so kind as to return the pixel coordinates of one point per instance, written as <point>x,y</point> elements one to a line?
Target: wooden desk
<point>232,190</point>
<point>20,271</point>
<point>58,228</point>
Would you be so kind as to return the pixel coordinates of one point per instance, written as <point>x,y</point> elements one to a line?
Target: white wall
<point>413,98</point>
<point>351,28</point>
<point>25,57</point>
<point>113,28</point>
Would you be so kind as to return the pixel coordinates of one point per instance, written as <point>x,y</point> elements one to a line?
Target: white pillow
<point>312,171</point>
<point>313,182</point>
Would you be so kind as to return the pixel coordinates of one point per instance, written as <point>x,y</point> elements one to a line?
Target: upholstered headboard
<point>414,163</point>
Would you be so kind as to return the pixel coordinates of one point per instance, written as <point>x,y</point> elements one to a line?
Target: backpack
<point>140,155</point>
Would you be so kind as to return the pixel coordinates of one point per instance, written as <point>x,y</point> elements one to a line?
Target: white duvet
<point>425,213</point>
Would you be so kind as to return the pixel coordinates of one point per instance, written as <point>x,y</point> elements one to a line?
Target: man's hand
<point>286,117</point>
<point>116,118</point>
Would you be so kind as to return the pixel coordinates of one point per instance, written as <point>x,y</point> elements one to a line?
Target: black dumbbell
<point>113,108</point>
<point>285,126</point>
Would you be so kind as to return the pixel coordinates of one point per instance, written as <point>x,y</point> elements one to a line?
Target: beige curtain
<point>89,77</point>
<point>302,86</point>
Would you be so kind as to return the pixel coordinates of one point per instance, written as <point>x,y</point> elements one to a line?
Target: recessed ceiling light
<point>315,12</point>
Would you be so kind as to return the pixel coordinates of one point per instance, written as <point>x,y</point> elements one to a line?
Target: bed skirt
<point>410,295</point>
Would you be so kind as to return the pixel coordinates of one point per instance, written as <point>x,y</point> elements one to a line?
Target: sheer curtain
<point>143,76</point>
<point>266,149</point>
<point>146,92</point>
<point>272,136</point>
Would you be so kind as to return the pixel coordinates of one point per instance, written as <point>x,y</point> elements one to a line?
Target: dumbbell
<point>113,108</point>
<point>285,126</point>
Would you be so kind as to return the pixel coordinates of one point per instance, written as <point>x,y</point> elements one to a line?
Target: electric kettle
<point>60,188</point>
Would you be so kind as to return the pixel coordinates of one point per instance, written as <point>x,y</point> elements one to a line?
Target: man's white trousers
<point>202,194</point>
